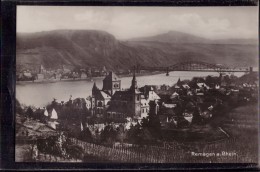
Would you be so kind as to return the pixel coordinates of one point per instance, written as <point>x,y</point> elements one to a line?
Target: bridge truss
<point>194,66</point>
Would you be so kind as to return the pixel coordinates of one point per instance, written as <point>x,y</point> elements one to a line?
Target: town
<point>38,73</point>
<point>148,115</point>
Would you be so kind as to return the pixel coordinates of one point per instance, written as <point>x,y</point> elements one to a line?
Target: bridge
<point>194,66</point>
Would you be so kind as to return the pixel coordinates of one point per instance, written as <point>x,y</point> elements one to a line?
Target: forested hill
<point>92,48</point>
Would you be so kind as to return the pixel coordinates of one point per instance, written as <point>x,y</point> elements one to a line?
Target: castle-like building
<point>114,103</point>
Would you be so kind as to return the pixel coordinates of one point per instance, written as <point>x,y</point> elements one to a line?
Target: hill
<point>185,38</point>
<point>92,48</point>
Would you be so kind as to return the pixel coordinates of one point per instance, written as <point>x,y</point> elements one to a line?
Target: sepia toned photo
<point>136,84</point>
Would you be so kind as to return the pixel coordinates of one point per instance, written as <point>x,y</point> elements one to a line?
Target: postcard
<point>136,84</point>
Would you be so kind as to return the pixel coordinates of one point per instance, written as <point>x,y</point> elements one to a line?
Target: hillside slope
<point>91,48</point>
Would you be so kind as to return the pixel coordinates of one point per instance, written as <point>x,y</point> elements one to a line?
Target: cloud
<point>129,22</point>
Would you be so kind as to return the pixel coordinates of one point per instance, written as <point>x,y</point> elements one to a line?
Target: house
<point>149,93</point>
<point>202,85</point>
<point>27,74</point>
<point>144,107</point>
<point>83,75</point>
<point>177,86</point>
<point>39,76</point>
<point>188,116</point>
<point>88,102</point>
<point>185,86</point>
<point>175,95</point>
<point>57,76</point>
<point>217,86</point>
<point>189,93</point>
<point>53,119</point>
<point>130,122</point>
<point>169,105</point>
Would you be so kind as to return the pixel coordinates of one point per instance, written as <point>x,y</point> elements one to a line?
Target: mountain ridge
<point>181,37</point>
<point>93,48</point>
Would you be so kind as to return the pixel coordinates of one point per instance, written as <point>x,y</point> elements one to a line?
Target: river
<point>40,94</point>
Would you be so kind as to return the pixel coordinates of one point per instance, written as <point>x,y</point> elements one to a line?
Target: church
<point>100,98</point>
<point>126,103</point>
<point>114,103</point>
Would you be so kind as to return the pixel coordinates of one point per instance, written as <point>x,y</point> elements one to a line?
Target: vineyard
<point>154,154</point>
<point>240,146</point>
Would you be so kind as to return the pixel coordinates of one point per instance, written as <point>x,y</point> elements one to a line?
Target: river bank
<point>85,79</point>
<point>38,94</point>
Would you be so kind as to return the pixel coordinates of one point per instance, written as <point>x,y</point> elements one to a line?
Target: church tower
<point>136,98</point>
<point>93,98</point>
<point>111,84</point>
<point>134,82</point>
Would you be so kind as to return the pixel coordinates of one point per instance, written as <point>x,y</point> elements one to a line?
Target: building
<point>149,92</point>
<point>99,101</point>
<point>27,74</point>
<point>126,103</point>
<point>111,84</point>
<point>100,98</point>
<point>144,107</point>
<point>88,102</point>
<point>40,77</point>
<point>83,75</point>
<point>116,104</point>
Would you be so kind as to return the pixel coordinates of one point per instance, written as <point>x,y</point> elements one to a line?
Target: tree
<point>134,134</point>
<point>86,135</point>
<point>108,135</point>
<point>29,112</point>
<point>152,123</point>
<point>121,134</point>
<point>196,116</point>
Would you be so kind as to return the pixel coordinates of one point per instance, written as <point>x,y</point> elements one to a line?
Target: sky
<point>132,22</point>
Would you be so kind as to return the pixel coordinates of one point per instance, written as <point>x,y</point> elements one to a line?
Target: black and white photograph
<point>136,84</point>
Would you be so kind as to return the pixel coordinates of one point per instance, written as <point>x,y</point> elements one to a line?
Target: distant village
<point>65,72</point>
<point>175,107</point>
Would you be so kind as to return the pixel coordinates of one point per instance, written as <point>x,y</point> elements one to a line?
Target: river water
<point>40,94</point>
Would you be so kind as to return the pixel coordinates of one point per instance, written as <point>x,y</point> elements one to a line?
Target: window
<point>138,97</point>
<point>100,104</point>
<point>116,85</point>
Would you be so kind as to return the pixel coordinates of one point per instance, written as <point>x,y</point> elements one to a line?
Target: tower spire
<point>94,89</point>
<point>134,82</point>
<point>179,81</point>
<point>94,86</point>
